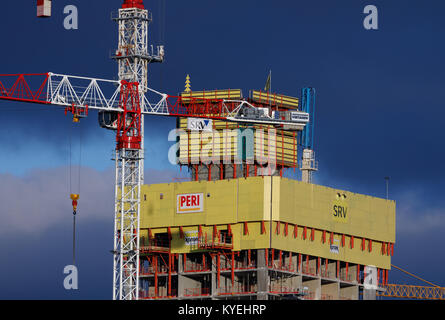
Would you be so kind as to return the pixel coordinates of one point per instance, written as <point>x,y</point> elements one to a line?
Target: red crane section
<point>43,8</point>
<point>133,4</point>
<point>129,121</point>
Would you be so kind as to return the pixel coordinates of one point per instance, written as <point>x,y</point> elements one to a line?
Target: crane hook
<point>74,198</point>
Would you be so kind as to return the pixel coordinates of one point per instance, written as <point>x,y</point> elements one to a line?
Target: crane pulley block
<point>77,112</point>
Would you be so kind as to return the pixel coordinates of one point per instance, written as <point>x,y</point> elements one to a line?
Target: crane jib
<point>78,94</point>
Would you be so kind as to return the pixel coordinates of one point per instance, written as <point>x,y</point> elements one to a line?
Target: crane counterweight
<point>44,8</point>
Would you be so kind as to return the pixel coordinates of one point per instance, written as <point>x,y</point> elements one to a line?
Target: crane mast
<point>133,58</point>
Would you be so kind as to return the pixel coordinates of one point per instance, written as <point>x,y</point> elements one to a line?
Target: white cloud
<point>413,216</point>
<point>40,199</point>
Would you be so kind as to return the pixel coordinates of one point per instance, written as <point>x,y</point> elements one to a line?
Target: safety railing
<point>153,245</point>
<point>277,289</point>
<point>192,266</point>
<point>311,271</point>
<point>309,295</point>
<point>196,292</point>
<point>325,296</point>
<point>228,290</point>
<point>347,277</point>
<point>222,241</point>
<point>328,274</point>
<point>150,294</point>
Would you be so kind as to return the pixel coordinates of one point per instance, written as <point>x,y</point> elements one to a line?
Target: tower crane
<point>122,105</point>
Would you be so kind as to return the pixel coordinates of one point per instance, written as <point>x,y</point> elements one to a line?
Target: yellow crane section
<point>432,292</point>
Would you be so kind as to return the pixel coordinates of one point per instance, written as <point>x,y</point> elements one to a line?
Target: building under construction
<point>240,230</point>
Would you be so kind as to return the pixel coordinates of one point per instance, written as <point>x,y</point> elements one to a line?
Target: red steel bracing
<point>233,269</point>
<point>20,90</point>
<point>266,254</point>
<point>326,264</point>
<point>77,111</point>
<point>290,260</point>
<point>156,275</point>
<point>318,265</point>
<point>169,274</point>
<point>215,232</point>
<point>218,269</point>
<point>246,228</point>
<point>221,176</point>
<point>197,107</point>
<point>185,260</point>
<point>299,267</point>
<point>358,273</point>
<point>169,232</point>
<point>128,134</point>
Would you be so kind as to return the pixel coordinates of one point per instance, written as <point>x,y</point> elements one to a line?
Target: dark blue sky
<point>380,112</point>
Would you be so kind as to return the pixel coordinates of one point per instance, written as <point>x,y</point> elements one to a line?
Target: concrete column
<point>369,294</point>
<point>314,287</point>
<point>262,275</point>
<point>330,291</point>
<point>180,276</point>
<point>214,285</point>
<point>349,293</point>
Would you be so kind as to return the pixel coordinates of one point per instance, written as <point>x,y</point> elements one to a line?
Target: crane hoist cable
<point>161,29</point>
<point>414,276</point>
<point>75,196</point>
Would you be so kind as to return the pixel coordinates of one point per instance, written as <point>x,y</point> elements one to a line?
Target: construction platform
<point>262,238</point>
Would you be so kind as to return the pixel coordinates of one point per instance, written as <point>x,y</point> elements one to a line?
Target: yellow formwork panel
<point>159,204</point>
<point>364,216</point>
<point>212,94</point>
<point>275,99</point>
<point>284,149</point>
<point>250,199</point>
<point>317,248</point>
<point>256,199</point>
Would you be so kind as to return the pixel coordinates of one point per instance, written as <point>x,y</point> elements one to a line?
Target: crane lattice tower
<point>133,57</point>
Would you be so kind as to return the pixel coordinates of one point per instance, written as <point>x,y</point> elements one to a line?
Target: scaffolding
<point>221,273</point>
